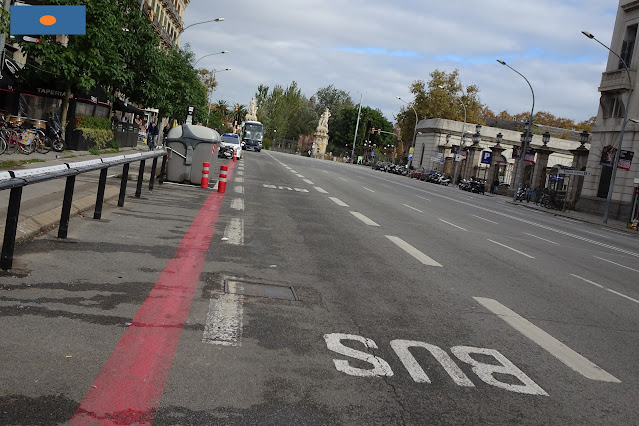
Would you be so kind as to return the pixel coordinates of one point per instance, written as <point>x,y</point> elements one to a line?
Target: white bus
<point>252,135</point>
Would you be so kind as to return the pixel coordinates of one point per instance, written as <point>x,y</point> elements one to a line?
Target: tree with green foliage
<point>342,130</point>
<point>332,98</point>
<point>440,97</point>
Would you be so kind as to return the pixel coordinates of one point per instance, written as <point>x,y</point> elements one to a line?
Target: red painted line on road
<point>130,385</point>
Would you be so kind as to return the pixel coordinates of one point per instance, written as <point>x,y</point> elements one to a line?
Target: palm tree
<point>223,107</point>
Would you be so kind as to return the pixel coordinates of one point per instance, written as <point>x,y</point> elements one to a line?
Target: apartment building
<point>167,17</point>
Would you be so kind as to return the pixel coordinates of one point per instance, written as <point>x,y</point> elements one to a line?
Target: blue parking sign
<point>486,157</point>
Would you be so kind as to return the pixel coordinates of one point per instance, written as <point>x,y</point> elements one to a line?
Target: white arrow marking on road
<point>610,261</point>
<point>309,182</point>
<point>543,239</point>
<point>413,251</point>
<point>320,190</point>
<point>224,321</point>
<point>234,232</point>
<point>510,248</point>
<point>364,219</point>
<point>418,210</point>
<point>237,204</point>
<point>452,224</point>
<point>338,202</point>
<point>483,218</point>
<point>560,351</point>
<point>606,288</point>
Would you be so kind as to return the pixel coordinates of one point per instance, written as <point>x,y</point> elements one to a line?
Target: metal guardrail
<point>16,180</point>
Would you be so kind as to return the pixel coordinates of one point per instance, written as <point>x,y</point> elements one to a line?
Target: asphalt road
<point>416,304</point>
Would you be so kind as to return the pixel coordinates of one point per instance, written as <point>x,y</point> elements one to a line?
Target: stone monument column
<point>579,162</point>
<point>471,160</point>
<point>539,175</point>
<point>321,135</point>
<point>494,162</point>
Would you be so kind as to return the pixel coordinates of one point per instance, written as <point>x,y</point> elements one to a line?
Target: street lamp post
<point>203,22</point>
<point>359,112</point>
<point>615,162</point>
<point>206,56</point>
<point>527,137</point>
<point>414,130</point>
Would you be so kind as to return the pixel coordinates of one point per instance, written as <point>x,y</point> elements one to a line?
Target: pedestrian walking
<point>152,133</point>
<point>165,133</point>
<point>495,186</point>
<point>537,194</point>
<point>528,193</point>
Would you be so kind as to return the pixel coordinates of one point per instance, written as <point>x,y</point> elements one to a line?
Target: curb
<point>43,222</point>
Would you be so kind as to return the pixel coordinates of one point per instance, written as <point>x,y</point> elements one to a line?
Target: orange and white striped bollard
<point>221,186</point>
<point>205,175</point>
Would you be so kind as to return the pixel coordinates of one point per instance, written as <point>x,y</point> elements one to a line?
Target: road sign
<point>575,172</point>
<point>373,154</point>
<point>410,156</point>
<point>458,157</point>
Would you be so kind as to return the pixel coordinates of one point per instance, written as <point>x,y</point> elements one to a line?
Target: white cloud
<point>380,47</point>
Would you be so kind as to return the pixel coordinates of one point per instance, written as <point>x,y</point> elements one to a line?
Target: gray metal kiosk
<point>189,146</point>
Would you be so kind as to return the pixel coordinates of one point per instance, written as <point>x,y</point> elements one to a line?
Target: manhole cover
<point>248,288</point>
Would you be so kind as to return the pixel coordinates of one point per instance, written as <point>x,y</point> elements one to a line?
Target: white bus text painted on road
<point>485,372</point>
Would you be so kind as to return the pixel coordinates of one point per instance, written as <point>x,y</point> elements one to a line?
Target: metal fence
<point>15,181</point>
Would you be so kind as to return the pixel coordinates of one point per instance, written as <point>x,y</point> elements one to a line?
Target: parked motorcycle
<point>521,195</point>
<point>53,134</point>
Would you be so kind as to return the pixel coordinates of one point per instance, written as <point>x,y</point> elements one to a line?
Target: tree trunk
<point>65,108</point>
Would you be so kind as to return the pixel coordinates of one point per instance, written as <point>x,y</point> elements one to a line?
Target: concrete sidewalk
<point>616,225</point>
<point>41,204</point>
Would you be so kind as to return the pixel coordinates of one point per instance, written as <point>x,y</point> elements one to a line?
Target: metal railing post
<point>125,178</point>
<point>163,169</point>
<point>153,169</point>
<point>138,189</point>
<point>99,201</point>
<point>11,227</point>
<point>66,207</point>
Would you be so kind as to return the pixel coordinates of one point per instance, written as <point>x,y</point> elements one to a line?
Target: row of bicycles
<point>18,135</point>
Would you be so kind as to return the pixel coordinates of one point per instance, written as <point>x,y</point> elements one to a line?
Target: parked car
<point>232,141</point>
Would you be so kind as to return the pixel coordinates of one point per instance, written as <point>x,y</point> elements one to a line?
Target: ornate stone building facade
<point>167,17</point>
<point>614,88</point>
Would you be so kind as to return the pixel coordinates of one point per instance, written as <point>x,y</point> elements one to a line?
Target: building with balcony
<point>615,85</point>
<point>167,17</point>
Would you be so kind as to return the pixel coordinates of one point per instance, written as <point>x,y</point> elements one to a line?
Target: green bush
<point>94,151</point>
<point>115,145</point>
<point>267,144</point>
<point>101,137</point>
<point>89,122</point>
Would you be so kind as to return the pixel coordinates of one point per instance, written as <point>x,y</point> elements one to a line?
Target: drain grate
<point>257,289</point>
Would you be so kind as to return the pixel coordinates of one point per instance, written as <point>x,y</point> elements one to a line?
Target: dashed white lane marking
<point>224,321</point>
<point>418,210</point>
<point>239,179</point>
<point>560,351</point>
<point>320,190</point>
<point>293,171</point>
<point>239,189</point>
<point>612,230</point>
<point>364,219</point>
<point>300,176</point>
<point>543,239</point>
<point>343,178</point>
<point>237,204</point>
<point>606,288</point>
<point>234,232</point>
<point>483,218</point>
<point>452,224</point>
<point>614,263</point>
<point>325,171</point>
<point>423,198</point>
<point>368,189</point>
<point>413,251</point>
<point>510,248</point>
<point>309,182</point>
<point>240,172</point>
<point>338,202</point>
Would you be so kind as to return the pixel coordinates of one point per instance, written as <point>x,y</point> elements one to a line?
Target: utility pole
<point>361,95</point>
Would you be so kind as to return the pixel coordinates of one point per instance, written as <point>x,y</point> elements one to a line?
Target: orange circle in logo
<point>48,20</point>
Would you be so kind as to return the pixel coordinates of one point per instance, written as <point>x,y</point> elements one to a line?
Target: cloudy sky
<point>379,47</point>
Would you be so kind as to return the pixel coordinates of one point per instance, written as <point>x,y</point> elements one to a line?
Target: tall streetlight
<point>527,137</point>
<point>203,22</point>
<point>211,54</point>
<point>615,162</point>
<point>461,143</point>
<point>414,130</point>
<point>359,112</point>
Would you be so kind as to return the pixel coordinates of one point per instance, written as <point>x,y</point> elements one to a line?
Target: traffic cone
<point>221,186</point>
<point>205,175</point>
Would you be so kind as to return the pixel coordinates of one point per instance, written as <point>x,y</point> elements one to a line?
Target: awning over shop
<point>121,106</point>
<point>97,95</point>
